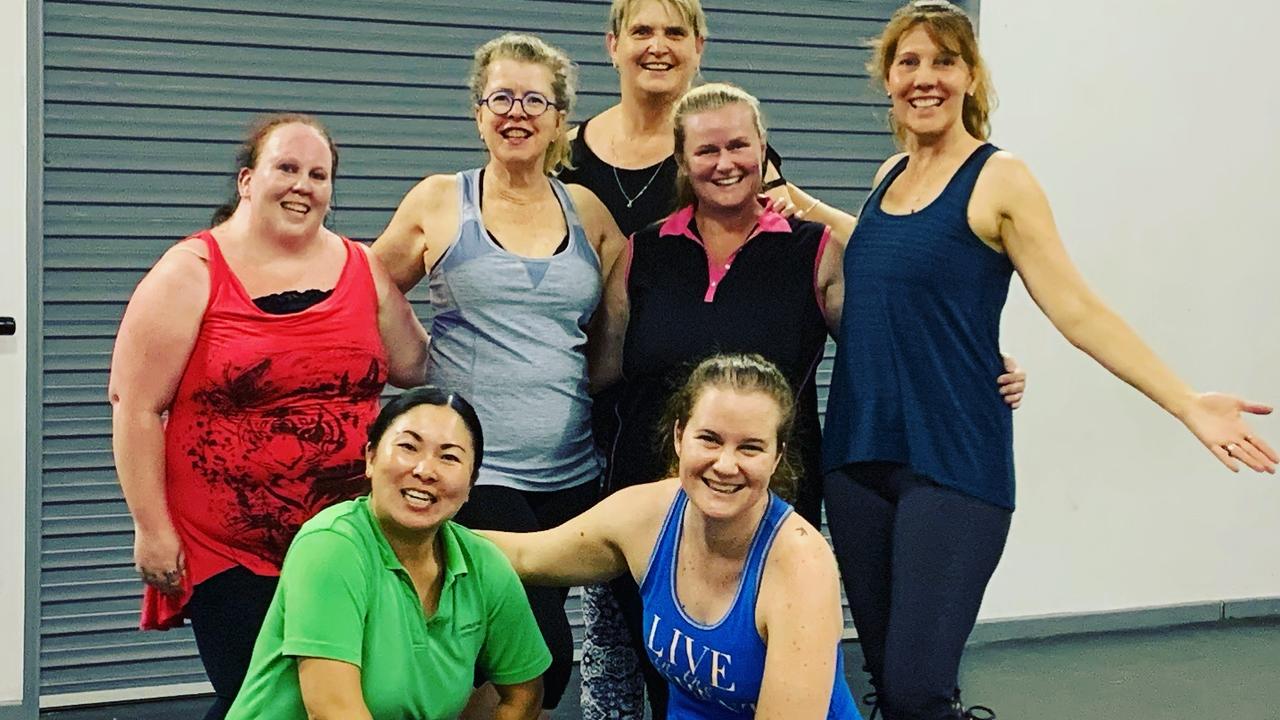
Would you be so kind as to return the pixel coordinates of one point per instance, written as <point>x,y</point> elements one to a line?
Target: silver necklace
<point>631,200</point>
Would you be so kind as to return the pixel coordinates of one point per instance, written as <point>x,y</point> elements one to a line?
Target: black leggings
<point>915,558</point>
<point>226,612</point>
<point>499,508</point>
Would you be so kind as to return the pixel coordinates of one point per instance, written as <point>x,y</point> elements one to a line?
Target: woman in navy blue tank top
<point>718,557</point>
<point>918,449</point>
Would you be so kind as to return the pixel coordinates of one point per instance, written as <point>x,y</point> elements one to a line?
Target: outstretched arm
<point>1023,224</point>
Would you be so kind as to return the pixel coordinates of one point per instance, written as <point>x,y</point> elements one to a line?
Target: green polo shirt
<point>343,595</point>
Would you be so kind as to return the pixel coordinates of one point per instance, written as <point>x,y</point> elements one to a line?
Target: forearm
<point>137,442</point>
<point>812,209</point>
<point>527,708</point>
<point>407,360</point>
<point>1108,339</point>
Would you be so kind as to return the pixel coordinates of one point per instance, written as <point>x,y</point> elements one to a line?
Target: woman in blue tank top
<point>515,260</point>
<point>918,450</point>
<point>718,557</point>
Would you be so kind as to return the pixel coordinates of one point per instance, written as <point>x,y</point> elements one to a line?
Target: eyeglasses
<point>502,102</point>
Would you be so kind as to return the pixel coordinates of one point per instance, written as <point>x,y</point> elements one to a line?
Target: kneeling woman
<point>741,597</point>
<point>385,608</point>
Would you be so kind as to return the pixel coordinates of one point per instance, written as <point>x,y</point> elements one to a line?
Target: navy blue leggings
<point>915,558</point>
<point>226,612</point>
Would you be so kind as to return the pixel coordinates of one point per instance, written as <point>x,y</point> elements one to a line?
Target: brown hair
<point>704,98</point>
<point>952,30</point>
<point>249,150</point>
<point>741,373</point>
<point>690,10</point>
<point>526,48</point>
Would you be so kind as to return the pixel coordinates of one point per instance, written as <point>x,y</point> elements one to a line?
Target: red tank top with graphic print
<point>268,425</point>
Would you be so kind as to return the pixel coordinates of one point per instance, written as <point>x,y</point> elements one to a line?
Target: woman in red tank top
<point>247,367</point>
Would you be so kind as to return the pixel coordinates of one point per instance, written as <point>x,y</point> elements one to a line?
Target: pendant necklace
<point>631,200</point>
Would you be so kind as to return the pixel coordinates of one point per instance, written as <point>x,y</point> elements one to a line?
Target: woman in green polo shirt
<point>385,608</point>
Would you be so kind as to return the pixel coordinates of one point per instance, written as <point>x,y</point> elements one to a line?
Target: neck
<point>927,148</point>
<point>418,549</point>
<point>241,226</point>
<point>732,222</point>
<point>728,538</point>
<point>644,114</point>
<point>520,184</point>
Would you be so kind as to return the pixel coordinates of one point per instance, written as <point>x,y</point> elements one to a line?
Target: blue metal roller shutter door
<point>144,103</point>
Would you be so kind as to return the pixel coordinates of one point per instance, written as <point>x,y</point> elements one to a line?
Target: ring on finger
<point>1230,447</point>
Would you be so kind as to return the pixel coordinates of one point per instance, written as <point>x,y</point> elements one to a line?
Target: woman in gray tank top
<point>515,262</point>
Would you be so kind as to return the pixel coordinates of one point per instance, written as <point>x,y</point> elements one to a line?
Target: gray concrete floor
<point>1221,671</point>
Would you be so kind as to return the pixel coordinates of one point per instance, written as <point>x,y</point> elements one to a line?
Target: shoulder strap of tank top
<point>469,195</point>
<point>664,547</point>
<point>361,272</point>
<point>967,176</point>
<point>570,210</point>
<point>219,270</point>
<point>753,569</point>
<point>580,140</point>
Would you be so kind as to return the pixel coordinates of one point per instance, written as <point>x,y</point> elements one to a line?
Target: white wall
<point>1154,126</point>
<point>13,350</point>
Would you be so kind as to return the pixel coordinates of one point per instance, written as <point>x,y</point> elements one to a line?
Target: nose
<point>302,184</point>
<point>517,109</point>
<point>658,44</point>
<point>726,463</point>
<point>422,470</point>
<point>724,162</point>
<point>925,76</point>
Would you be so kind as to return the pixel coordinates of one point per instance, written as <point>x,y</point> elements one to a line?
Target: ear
<point>782,451</point>
<point>368,460</point>
<point>676,438</point>
<point>242,182</point>
<point>611,48</point>
<point>699,44</point>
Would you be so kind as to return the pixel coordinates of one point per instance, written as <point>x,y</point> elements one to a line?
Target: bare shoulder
<point>635,515</point>
<point>432,192</point>
<point>183,268</point>
<point>584,199</point>
<point>642,504</point>
<point>800,554</point>
<point>1004,184</point>
<point>886,166</point>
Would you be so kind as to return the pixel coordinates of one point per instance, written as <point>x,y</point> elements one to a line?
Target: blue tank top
<point>509,334</point>
<point>715,671</point>
<point>919,345</point>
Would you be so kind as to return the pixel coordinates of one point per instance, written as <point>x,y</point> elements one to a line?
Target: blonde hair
<point>705,98</point>
<point>526,48</point>
<point>743,373</point>
<point>690,10</point>
<point>952,30</point>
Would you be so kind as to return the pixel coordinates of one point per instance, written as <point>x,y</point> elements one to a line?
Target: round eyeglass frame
<point>488,101</point>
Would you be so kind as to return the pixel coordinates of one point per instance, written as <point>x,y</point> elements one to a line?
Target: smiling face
<point>421,470</point>
<point>516,137</point>
<point>655,50</point>
<point>728,450</point>
<point>289,188</point>
<point>927,85</point>
<point>723,155</point>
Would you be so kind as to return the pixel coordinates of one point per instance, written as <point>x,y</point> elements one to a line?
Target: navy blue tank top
<point>715,671</point>
<point>919,345</point>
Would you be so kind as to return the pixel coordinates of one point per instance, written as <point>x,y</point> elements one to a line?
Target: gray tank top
<point>509,334</point>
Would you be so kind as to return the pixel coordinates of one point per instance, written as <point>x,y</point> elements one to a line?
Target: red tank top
<point>268,425</point>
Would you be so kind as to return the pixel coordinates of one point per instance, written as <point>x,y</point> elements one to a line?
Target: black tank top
<point>635,198</point>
